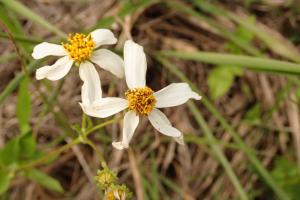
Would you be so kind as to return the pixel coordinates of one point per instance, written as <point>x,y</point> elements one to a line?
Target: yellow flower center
<point>115,195</point>
<point>141,100</point>
<point>79,47</point>
<point>118,192</point>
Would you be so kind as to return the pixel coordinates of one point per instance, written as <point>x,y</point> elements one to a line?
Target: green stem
<point>217,150</point>
<point>58,151</point>
<point>261,64</point>
<point>252,158</point>
<point>101,126</point>
<point>215,26</point>
<point>15,82</point>
<point>49,155</point>
<point>21,38</point>
<point>98,152</point>
<point>24,11</point>
<point>263,33</point>
<point>83,122</point>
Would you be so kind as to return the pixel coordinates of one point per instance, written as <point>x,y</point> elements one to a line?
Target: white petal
<point>56,71</point>
<point>91,88</point>
<point>47,49</point>
<point>135,65</point>
<point>179,140</point>
<point>105,107</point>
<point>109,61</point>
<point>131,120</point>
<point>103,37</point>
<point>161,123</point>
<point>174,94</point>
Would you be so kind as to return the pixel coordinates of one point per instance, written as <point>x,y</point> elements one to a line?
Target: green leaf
<point>286,173</point>
<point>24,11</point>
<point>233,48</point>
<point>24,106</point>
<point>14,26</point>
<point>5,178</point>
<point>221,79</point>
<point>27,145</point>
<point>77,128</point>
<point>244,33</point>
<point>23,146</point>
<point>253,114</point>
<point>13,84</point>
<point>11,151</point>
<point>44,180</point>
<point>7,20</point>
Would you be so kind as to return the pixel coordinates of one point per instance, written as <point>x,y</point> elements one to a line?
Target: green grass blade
<point>20,38</point>
<point>24,106</point>
<point>22,10</point>
<point>128,8</point>
<point>15,82</point>
<point>261,64</point>
<point>218,28</point>
<point>274,43</point>
<point>266,36</point>
<point>44,179</point>
<point>170,184</point>
<point>12,26</point>
<point>5,178</point>
<point>217,150</point>
<point>8,20</point>
<point>265,175</point>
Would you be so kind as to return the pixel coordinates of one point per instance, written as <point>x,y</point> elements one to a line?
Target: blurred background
<point>242,140</point>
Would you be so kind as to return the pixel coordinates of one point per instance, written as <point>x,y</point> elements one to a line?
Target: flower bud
<point>118,192</point>
<point>105,178</point>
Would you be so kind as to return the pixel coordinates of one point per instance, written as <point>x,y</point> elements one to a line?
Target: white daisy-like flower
<point>82,50</point>
<point>140,99</point>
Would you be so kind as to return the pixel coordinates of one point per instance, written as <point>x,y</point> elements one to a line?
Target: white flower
<point>140,99</point>
<point>83,50</point>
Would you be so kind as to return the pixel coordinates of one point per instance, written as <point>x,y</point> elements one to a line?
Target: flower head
<point>79,47</point>
<point>83,50</point>
<point>118,192</point>
<point>105,178</point>
<point>140,99</point>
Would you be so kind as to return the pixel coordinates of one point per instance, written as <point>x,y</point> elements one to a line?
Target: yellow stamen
<point>141,100</point>
<point>118,192</point>
<point>79,47</point>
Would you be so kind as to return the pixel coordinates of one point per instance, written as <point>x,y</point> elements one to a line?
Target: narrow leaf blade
<point>11,151</point>
<point>27,145</point>
<point>24,106</point>
<point>44,180</point>
<point>5,178</point>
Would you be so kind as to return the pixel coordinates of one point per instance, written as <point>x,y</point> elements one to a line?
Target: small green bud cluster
<point>105,178</point>
<point>107,181</point>
<point>118,192</point>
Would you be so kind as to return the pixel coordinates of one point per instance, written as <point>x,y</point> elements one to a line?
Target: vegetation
<point>242,140</point>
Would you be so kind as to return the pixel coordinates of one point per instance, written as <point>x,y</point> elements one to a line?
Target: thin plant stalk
<point>58,151</point>
<point>266,177</point>
<point>22,10</point>
<point>255,63</point>
<point>217,150</point>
